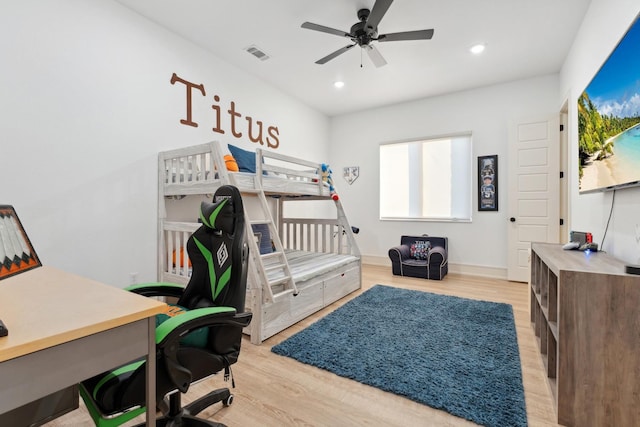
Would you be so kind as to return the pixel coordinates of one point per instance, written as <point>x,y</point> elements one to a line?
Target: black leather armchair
<point>200,335</point>
<point>420,256</point>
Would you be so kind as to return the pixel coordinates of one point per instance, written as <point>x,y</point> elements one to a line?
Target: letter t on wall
<point>189,85</point>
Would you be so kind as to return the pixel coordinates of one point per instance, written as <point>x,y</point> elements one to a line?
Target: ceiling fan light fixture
<point>477,49</point>
<point>339,84</point>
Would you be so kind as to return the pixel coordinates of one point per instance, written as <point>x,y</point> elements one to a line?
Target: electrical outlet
<point>133,278</point>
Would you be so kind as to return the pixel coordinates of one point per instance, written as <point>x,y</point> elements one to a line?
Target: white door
<point>534,190</point>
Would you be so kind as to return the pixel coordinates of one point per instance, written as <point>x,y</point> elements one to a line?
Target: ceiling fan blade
<point>334,54</point>
<point>375,56</point>
<point>407,35</point>
<point>377,12</point>
<point>322,28</point>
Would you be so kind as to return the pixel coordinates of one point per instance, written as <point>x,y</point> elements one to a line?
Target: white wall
<point>605,23</point>
<point>486,112</point>
<point>87,104</point>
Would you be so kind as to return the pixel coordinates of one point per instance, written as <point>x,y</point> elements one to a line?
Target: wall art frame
<point>351,173</point>
<point>488,183</point>
<point>16,252</point>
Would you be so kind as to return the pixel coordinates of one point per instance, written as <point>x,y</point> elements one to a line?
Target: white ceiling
<point>524,38</point>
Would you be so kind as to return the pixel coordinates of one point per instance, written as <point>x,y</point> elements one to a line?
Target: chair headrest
<point>218,215</point>
<point>222,213</point>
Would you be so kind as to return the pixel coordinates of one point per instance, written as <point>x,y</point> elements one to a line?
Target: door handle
<point>512,219</point>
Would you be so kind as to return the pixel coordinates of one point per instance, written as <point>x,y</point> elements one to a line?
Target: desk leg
<point>151,373</point>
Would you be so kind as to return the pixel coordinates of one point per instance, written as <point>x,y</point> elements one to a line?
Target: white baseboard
<point>466,269</point>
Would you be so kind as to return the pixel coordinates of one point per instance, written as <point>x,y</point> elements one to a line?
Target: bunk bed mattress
<point>280,184</point>
<point>306,265</point>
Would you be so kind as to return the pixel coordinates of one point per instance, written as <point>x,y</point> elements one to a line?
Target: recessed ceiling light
<point>477,49</point>
<point>339,84</point>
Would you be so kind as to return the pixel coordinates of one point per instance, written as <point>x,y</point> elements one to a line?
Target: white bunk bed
<point>315,261</point>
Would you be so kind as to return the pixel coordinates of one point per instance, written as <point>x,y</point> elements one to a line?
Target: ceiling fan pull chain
<point>360,58</point>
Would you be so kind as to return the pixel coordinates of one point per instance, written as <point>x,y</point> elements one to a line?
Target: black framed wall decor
<point>488,183</point>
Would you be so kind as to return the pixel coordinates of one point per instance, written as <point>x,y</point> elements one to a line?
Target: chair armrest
<point>400,253</point>
<point>160,289</point>
<point>176,327</point>
<point>439,254</point>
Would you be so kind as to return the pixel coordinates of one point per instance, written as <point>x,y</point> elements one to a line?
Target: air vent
<point>257,52</point>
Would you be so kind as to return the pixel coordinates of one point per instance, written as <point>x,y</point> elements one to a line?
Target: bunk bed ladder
<point>263,287</point>
<point>274,272</point>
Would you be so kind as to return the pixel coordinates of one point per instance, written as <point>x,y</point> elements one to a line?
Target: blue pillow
<point>264,238</point>
<point>246,159</point>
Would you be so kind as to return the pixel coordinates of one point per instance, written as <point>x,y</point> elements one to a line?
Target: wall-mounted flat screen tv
<point>609,120</point>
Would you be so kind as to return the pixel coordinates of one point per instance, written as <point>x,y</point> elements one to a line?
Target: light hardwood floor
<point>277,391</point>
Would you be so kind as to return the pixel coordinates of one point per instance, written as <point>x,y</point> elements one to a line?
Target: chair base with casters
<point>424,257</point>
<point>175,413</point>
<point>197,337</point>
<point>185,415</point>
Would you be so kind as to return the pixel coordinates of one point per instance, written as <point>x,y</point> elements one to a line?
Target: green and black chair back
<point>217,253</point>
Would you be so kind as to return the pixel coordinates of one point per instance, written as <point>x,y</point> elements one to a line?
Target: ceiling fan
<point>365,31</point>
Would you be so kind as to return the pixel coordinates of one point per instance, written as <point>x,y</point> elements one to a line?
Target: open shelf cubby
<point>585,313</point>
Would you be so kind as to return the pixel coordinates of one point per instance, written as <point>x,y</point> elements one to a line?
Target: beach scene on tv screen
<point>609,119</point>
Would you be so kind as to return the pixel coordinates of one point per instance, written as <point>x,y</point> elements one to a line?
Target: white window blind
<point>429,179</point>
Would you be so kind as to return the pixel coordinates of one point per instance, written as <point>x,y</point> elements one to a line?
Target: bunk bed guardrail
<point>197,169</point>
<point>316,235</point>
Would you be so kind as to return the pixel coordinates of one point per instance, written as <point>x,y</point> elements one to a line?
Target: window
<point>429,179</point>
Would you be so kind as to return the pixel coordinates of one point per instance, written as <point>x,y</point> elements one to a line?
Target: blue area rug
<point>450,353</point>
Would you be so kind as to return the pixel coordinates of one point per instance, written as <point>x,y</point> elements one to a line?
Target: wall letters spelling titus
<point>255,135</point>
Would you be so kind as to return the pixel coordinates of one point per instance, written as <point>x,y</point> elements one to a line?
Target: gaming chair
<point>198,337</point>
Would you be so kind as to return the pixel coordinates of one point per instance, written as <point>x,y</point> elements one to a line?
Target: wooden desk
<point>64,329</point>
